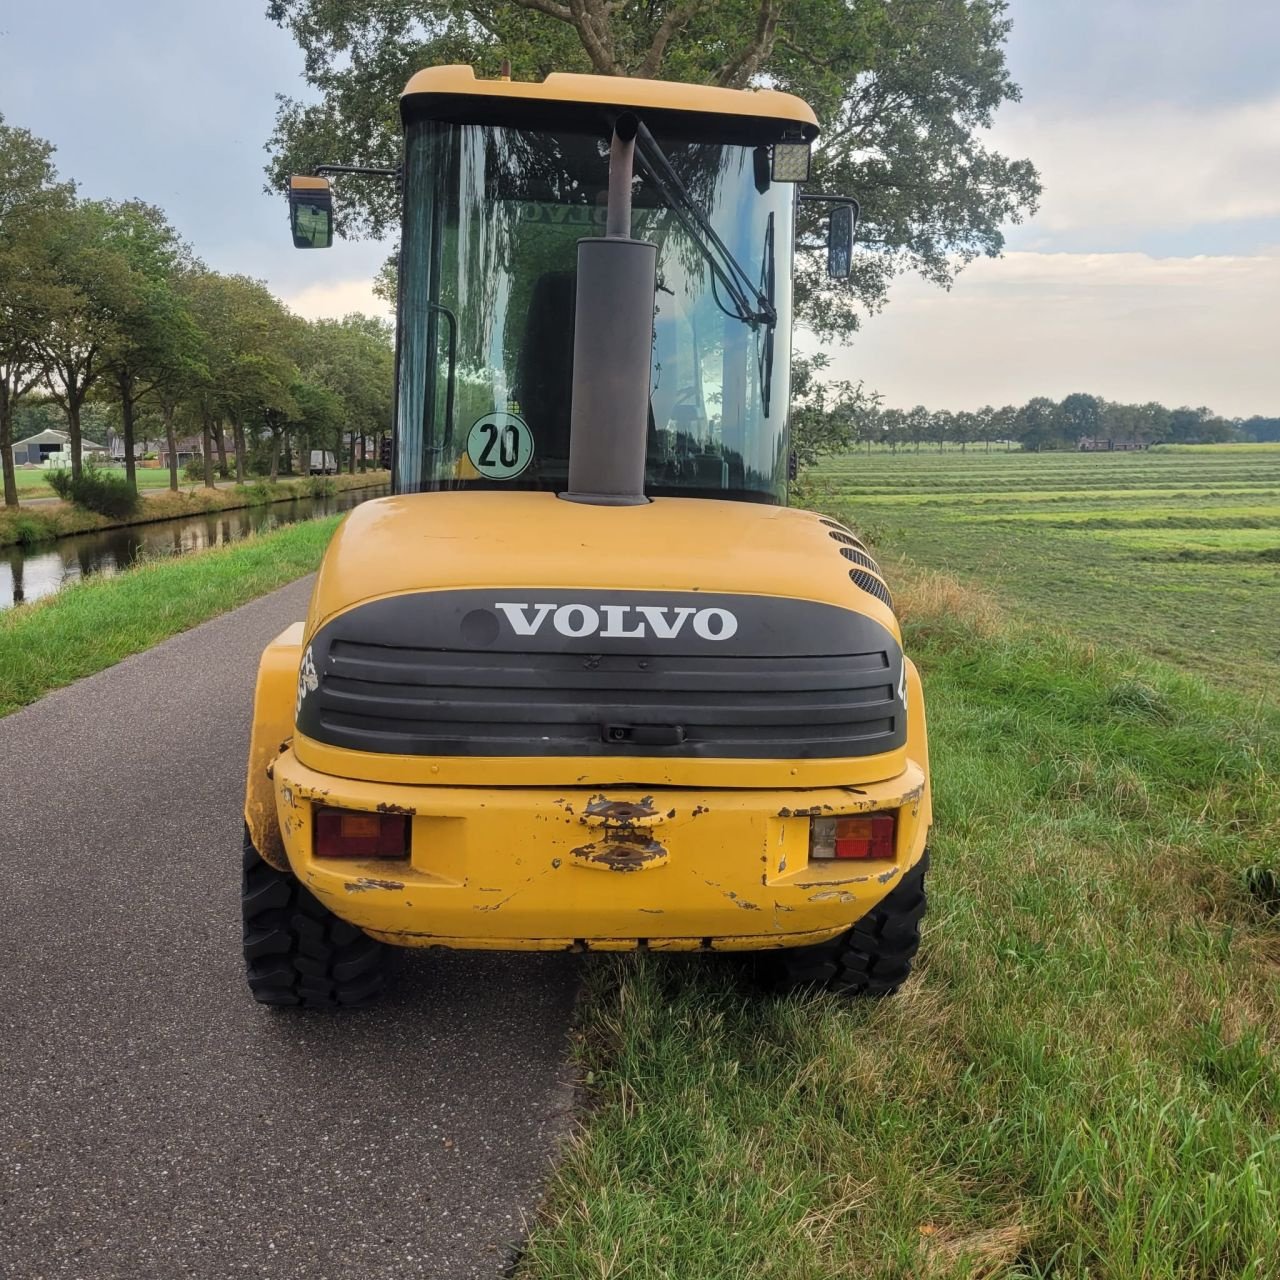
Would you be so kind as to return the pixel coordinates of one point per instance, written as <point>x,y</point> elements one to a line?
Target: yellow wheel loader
<point>585,682</point>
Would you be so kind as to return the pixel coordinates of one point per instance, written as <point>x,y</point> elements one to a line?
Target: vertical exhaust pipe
<point>612,347</point>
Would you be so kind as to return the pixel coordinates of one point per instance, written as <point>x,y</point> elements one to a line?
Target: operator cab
<point>501,181</point>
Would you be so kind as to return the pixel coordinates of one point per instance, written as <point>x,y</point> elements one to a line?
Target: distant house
<point>34,450</point>
<point>188,447</point>
<point>1094,444</point>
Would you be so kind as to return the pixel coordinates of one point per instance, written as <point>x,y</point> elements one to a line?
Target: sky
<point>1151,271</point>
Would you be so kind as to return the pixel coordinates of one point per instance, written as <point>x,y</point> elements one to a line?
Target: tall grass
<point>1081,1080</point>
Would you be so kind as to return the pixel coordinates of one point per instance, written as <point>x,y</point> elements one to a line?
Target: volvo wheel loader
<point>585,682</point>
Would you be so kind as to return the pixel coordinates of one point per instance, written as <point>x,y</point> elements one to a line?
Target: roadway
<point>154,1121</point>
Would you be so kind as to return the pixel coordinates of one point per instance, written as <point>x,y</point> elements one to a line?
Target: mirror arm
<point>820,197</point>
<point>322,170</point>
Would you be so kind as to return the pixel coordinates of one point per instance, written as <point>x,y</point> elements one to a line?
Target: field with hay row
<point>1174,553</point>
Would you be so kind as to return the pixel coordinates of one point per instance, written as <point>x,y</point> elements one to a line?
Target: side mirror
<point>840,224</point>
<point>311,212</point>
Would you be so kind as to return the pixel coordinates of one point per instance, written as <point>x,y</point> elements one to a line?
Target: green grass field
<point>1081,1079</point>
<point>1173,553</point>
<point>35,484</point>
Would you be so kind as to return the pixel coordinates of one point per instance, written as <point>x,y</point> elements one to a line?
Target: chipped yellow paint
<point>497,868</point>
<point>273,711</point>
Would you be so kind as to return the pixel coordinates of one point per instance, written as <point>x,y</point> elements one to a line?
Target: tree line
<point>834,417</point>
<point>105,308</point>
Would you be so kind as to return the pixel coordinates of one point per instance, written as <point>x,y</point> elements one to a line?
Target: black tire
<point>296,951</point>
<point>871,959</point>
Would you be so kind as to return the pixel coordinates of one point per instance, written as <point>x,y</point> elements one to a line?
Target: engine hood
<point>522,542</point>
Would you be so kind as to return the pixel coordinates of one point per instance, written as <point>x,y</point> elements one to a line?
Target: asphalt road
<point>154,1122</point>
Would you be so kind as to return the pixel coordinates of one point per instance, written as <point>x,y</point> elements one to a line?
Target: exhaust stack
<point>612,347</point>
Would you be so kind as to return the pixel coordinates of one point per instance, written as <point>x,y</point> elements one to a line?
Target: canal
<point>32,573</point>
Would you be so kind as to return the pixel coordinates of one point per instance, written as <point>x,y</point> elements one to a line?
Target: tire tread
<point>297,952</point>
<point>873,958</point>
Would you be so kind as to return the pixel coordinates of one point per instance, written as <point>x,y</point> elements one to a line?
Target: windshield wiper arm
<point>752,306</point>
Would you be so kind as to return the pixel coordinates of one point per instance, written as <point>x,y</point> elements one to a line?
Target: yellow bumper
<point>605,869</point>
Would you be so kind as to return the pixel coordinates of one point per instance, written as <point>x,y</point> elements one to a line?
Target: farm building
<point>32,451</point>
<point>1092,444</point>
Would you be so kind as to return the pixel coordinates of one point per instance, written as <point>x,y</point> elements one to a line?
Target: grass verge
<point>95,623</point>
<point>26,527</point>
<point>1081,1079</point>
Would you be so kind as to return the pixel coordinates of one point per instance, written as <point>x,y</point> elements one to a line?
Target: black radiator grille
<point>388,698</point>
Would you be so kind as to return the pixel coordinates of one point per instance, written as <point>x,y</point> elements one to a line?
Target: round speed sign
<point>500,445</point>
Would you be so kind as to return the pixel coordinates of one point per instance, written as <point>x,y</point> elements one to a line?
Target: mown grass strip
<point>95,623</point>
<point>1081,1080</point>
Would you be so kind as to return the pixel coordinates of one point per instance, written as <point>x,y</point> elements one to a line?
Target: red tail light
<point>352,833</point>
<point>869,835</point>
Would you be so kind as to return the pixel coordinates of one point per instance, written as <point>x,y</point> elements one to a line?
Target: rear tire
<point>871,959</point>
<point>296,951</point>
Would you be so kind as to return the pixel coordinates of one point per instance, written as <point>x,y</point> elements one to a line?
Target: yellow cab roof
<point>565,89</point>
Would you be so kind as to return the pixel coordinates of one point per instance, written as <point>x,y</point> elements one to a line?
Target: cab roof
<point>454,93</point>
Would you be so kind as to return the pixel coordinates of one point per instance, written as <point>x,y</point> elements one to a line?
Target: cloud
<point>335,299</point>
<point>1127,326</point>
<point>1157,165</point>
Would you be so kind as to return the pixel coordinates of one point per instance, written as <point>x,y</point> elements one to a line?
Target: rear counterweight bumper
<point>608,869</point>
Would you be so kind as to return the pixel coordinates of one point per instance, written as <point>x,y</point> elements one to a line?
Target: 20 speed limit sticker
<point>500,445</point>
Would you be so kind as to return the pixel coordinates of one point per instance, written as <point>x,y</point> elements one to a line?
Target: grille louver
<point>853,548</point>
<point>860,557</point>
<point>872,585</point>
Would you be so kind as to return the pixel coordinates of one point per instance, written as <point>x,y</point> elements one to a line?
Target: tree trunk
<point>6,447</point>
<point>351,459</point>
<point>206,448</point>
<point>275,456</point>
<point>73,430</point>
<point>224,471</point>
<point>171,441</point>
<point>125,384</point>
<point>237,428</point>
<point>364,451</point>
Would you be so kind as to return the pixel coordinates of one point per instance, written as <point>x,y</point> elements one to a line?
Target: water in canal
<point>30,573</point>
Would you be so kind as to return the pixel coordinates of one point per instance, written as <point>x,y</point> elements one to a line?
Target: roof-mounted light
<point>791,162</point>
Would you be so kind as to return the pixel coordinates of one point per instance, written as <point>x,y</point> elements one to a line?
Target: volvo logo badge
<point>619,621</point>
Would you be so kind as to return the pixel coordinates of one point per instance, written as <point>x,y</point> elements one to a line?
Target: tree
<point>1035,423</point>
<point>915,425</point>
<point>353,359</point>
<point>942,425</point>
<point>30,196</point>
<point>247,360</point>
<point>903,90</point>
<point>84,259</point>
<point>968,427</point>
<point>1078,415</point>
<point>152,333</point>
<point>826,417</point>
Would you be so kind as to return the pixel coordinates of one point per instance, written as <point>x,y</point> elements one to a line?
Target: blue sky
<point>1152,271</point>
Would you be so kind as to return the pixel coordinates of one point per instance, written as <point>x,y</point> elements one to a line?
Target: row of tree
<point>833,417</point>
<point>102,302</point>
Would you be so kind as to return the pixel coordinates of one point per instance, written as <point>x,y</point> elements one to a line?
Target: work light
<point>791,162</point>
